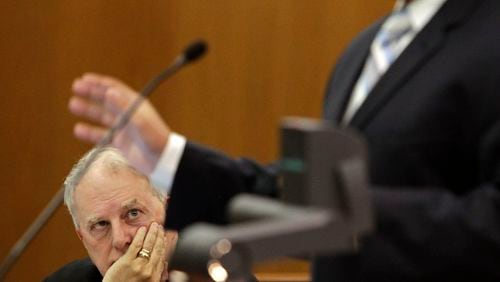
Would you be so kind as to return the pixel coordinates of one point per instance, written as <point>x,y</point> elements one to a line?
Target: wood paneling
<point>267,59</point>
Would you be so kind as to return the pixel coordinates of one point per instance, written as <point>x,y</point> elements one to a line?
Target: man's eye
<point>100,225</point>
<point>133,213</point>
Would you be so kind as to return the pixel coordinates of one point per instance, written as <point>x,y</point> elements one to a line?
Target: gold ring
<point>144,254</point>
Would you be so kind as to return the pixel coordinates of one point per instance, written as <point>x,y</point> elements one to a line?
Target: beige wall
<point>267,59</point>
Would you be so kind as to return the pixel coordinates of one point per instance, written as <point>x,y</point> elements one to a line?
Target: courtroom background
<point>267,59</point>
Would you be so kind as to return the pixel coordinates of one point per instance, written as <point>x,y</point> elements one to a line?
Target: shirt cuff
<point>163,175</point>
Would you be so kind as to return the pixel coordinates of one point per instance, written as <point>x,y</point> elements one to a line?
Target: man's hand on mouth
<point>145,258</point>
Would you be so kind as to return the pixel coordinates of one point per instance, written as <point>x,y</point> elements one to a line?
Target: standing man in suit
<point>422,85</point>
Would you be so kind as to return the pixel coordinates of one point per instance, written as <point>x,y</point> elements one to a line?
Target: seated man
<point>118,216</point>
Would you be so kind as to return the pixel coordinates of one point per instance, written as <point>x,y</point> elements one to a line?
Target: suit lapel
<point>421,49</point>
<point>344,81</point>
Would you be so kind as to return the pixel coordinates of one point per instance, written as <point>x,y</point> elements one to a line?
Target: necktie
<point>385,48</point>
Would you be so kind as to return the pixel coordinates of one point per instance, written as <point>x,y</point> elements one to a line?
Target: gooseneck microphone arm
<point>193,52</point>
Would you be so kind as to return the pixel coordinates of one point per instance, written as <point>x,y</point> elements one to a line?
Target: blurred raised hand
<point>99,100</point>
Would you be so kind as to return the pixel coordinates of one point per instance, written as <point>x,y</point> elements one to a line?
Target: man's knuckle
<point>136,268</point>
<point>137,245</point>
<point>147,272</point>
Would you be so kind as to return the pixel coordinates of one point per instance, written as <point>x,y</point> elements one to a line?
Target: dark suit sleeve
<point>206,180</point>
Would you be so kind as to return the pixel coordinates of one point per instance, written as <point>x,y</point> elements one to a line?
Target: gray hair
<point>113,159</point>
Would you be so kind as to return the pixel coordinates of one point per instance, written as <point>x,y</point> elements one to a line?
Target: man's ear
<point>78,233</point>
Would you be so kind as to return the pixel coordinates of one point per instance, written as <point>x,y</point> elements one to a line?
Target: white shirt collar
<point>420,11</point>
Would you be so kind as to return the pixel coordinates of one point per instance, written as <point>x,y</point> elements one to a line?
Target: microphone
<point>193,52</point>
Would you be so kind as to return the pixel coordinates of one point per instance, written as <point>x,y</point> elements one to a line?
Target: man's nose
<point>122,236</point>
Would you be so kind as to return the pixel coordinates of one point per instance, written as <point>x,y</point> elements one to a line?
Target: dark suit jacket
<point>77,271</point>
<point>433,128</point>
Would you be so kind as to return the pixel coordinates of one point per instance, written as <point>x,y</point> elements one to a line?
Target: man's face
<point>110,206</point>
